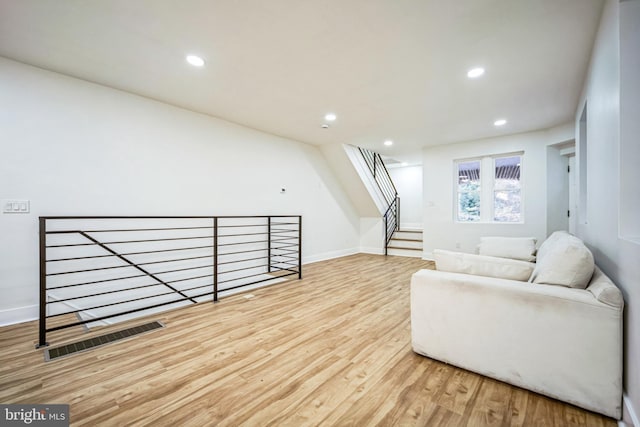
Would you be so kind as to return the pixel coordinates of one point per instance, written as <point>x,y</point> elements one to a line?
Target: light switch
<point>15,206</point>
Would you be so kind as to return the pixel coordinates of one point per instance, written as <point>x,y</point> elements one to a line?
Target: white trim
<point>630,410</point>
<point>371,250</point>
<point>19,315</point>
<point>329,255</point>
<point>569,152</point>
<point>428,256</point>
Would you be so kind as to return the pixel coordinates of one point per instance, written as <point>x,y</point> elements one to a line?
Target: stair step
<point>408,235</point>
<point>404,247</point>
<point>408,252</point>
<point>406,244</point>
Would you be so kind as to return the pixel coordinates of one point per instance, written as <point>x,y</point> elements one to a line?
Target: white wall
<point>343,168</point>
<point>76,148</point>
<point>372,235</point>
<point>630,118</point>
<point>440,228</point>
<point>408,182</point>
<point>612,136</point>
<point>557,190</point>
<point>366,178</point>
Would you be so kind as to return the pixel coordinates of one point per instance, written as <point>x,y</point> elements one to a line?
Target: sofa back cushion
<point>521,248</point>
<point>564,261</point>
<point>480,265</point>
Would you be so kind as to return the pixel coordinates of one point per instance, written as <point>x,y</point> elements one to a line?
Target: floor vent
<point>88,344</point>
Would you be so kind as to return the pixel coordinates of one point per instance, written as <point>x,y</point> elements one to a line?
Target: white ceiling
<point>390,69</point>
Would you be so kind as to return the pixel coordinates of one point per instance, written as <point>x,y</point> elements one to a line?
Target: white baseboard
<point>630,410</point>
<point>19,315</point>
<point>329,255</point>
<point>371,250</point>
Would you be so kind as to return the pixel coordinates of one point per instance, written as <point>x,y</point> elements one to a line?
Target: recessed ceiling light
<point>194,60</point>
<point>388,142</point>
<point>330,117</point>
<point>324,126</point>
<point>500,122</point>
<point>475,72</point>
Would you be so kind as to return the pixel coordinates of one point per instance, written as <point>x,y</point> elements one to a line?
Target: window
<point>489,189</point>
<point>469,191</point>
<point>506,189</point>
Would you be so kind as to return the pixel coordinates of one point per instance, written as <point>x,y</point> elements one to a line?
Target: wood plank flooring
<point>331,349</point>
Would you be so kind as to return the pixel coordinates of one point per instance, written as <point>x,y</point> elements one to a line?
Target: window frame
<point>487,188</point>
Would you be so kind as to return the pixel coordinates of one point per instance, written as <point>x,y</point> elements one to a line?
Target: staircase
<point>374,174</point>
<point>406,243</point>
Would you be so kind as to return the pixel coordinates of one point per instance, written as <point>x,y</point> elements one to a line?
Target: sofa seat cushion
<point>480,265</point>
<point>565,262</point>
<point>520,248</point>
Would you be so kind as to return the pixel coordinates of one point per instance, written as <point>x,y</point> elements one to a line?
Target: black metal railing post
<point>215,259</point>
<point>300,247</point>
<point>42,341</point>
<point>398,213</point>
<point>386,233</point>
<point>269,244</point>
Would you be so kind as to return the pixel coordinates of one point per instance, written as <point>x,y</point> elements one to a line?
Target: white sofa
<point>551,334</point>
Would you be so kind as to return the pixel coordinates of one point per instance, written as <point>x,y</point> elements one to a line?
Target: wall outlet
<point>15,206</point>
<point>457,245</point>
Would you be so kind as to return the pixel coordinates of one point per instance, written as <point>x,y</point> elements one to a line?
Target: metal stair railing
<point>102,269</point>
<point>388,191</point>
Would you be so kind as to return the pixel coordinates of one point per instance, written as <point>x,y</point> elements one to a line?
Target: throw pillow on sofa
<point>550,242</point>
<point>566,262</point>
<point>521,248</point>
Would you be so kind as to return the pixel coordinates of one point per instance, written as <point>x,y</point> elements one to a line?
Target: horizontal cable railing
<point>97,270</point>
<point>391,225</point>
<point>380,174</point>
<point>388,191</point>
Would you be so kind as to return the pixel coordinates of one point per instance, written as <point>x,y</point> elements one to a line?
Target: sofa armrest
<point>557,341</point>
<point>482,265</point>
<point>604,290</point>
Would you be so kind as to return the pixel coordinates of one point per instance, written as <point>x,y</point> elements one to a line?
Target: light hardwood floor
<point>331,349</point>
